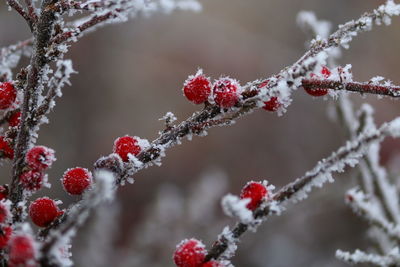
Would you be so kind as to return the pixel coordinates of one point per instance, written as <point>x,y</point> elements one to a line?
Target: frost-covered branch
<point>359,87</point>
<point>348,155</point>
<point>42,35</point>
<point>390,260</point>
<point>27,16</point>
<point>103,190</point>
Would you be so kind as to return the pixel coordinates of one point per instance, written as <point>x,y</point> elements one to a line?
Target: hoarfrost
<point>233,206</point>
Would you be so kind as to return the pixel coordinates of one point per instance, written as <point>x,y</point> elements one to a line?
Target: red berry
<point>126,145</point>
<point>4,212</point>
<point>5,148</point>
<point>272,104</point>
<point>44,211</point>
<point>212,264</point>
<point>197,88</point>
<point>8,93</point>
<point>190,253</point>
<point>319,91</point>
<point>325,72</point>
<point>5,234</point>
<point>31,180</point>
<point>40,157</point>
<point>21,251</point>
<point>226,92</point>
<point>256,192</point>
<point>14,119</point>
<point>3,192</point>
<point>76,180</point>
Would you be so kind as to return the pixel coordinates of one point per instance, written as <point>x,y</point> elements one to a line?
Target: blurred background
<point>131,74</point>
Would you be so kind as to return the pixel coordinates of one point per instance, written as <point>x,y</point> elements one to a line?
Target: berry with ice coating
<point>190,253</point>
<point>272,104</point>
<point>21,251</point>
<point>5,148</point>
<point>319,91</point>
<point>8,93</point>
<point>31,180</point>
<point>14,119</point>
<point>4,212</point>
<point>40,157</point>
<point>126,145</point>
<point>77,180</point>
<point>5,235</point>
<point>226,92</point>
<point>44,211</point>
<point>256,192</point>
<point>3,192</point>
<point>197,88</point>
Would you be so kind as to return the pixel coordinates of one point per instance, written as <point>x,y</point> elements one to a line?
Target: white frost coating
<point>10,57</point>
<point>372,212</point>
<point>105,181</point>
<point>392,258</point>
<point>230,242</point>
<point>169,117</point>
<point>123,10</point>
<point>233,206</point>
<point>307,19</point>
<point>394,128</point>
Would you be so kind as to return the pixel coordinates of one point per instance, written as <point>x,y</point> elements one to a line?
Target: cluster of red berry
<point>43,211</point>
<point>21,247</point>
<point>225,92</point>
<point>192,252</point>
<point>199,89</point>
<point>8,95</point>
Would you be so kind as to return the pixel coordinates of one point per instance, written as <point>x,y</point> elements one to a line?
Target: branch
<point>17,6</point>
<point>349,155</point>
<point>359,87</point>
<point>38,61</point>
<point>392,259</point>
<point>102,191</point>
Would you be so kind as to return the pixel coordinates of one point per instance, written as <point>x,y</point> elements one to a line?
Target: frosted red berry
<point>226,92</point>
<point>14,119</point>
<point>272,104</point>
<point>197,89</point>
<point>256,192</point>
<point>31,180</point>
<point>5,148</point>
<point>21,251</point>
<point>319,91</point>
<point>4,212</point>
<point>212,264</point>
<point>77,180</point>
<point>40,157</point>
<point>126,145</point>
<point>190,253</point>
<point>5,235</point>
<point>8,93</point>
<point>44,211</point>
<point>3,192</point>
